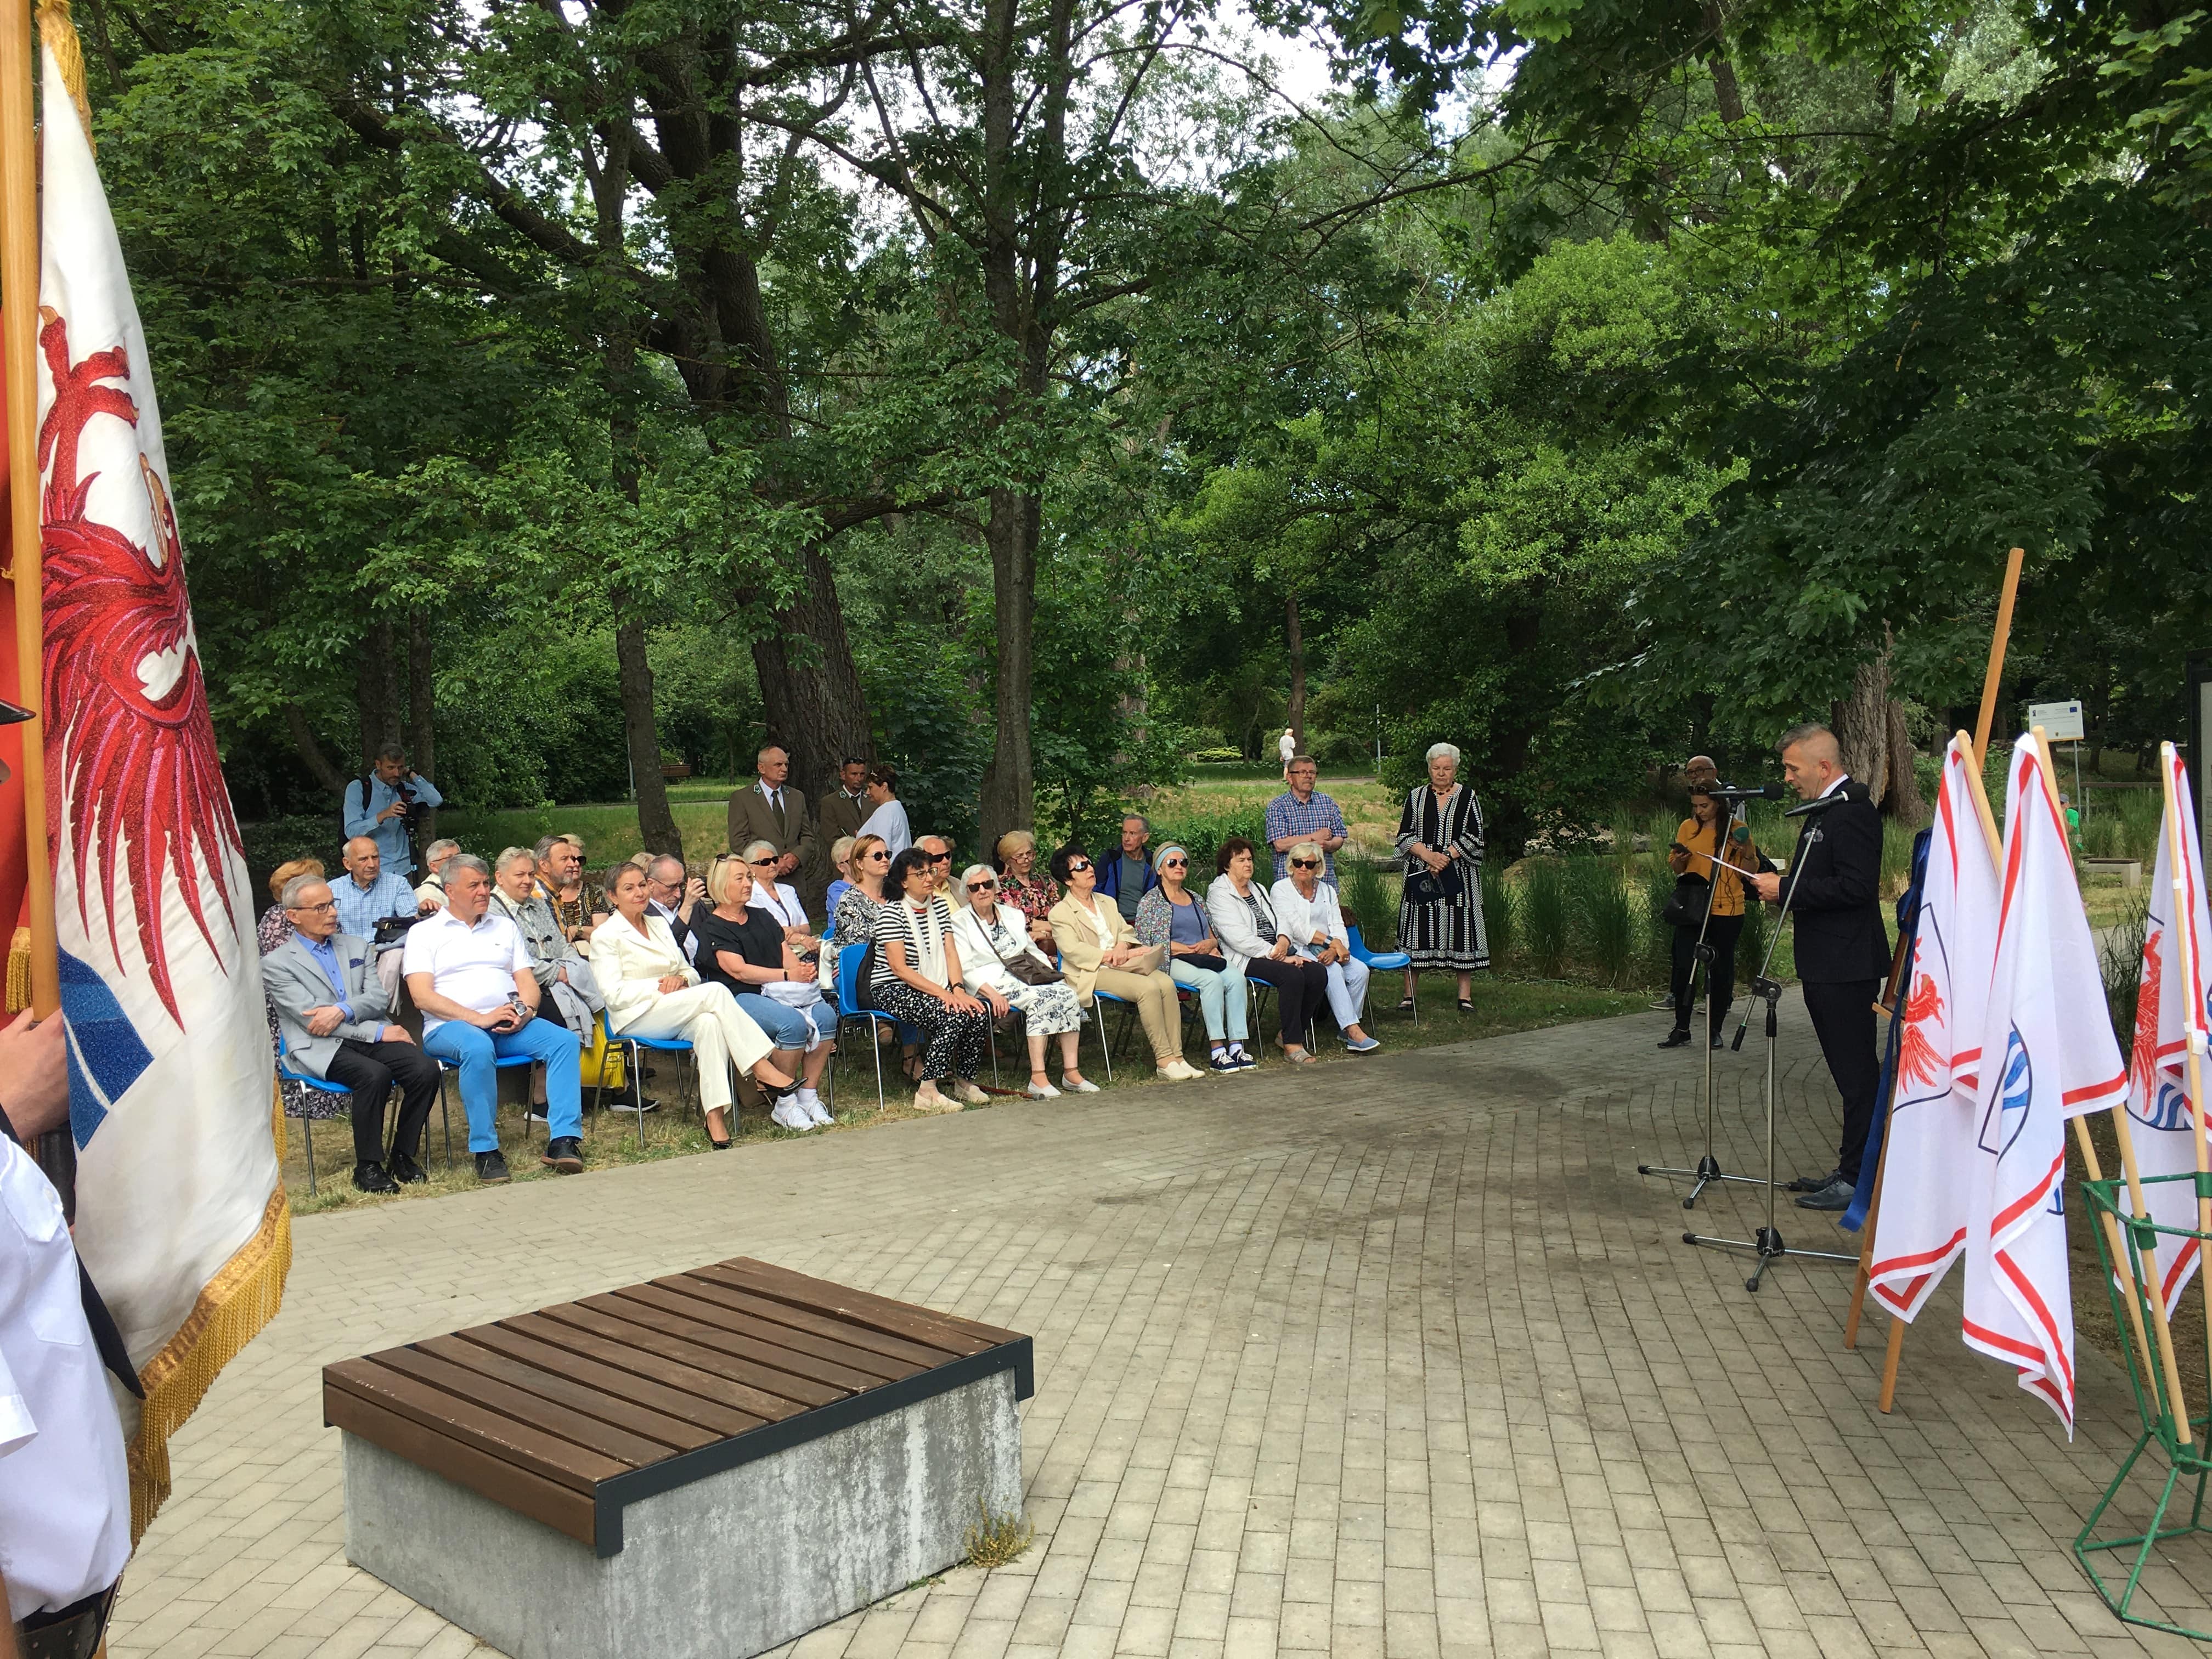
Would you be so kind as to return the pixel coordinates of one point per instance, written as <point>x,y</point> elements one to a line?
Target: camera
<point>416,812</point>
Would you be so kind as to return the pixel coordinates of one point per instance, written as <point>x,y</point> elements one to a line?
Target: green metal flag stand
<point>2188,1457</point>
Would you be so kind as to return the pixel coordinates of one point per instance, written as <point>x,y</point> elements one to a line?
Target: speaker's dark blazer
<point>1837,906</point>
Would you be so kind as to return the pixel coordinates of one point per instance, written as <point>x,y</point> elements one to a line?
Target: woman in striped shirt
<point>918,982</point>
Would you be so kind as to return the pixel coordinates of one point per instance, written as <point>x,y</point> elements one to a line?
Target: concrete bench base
<point>733,1564</point>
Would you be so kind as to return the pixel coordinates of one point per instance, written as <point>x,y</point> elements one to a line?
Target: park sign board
<point>2061,721</point>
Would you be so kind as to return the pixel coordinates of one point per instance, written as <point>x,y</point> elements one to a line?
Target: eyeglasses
<point>1174,864</point>
<point>983,886</point>
<point>940,858</point>
<point>1305,864</point>
<point>878,856</point>
<point>1077,867</point>
<point>311,909</point>
<point>766,864</point>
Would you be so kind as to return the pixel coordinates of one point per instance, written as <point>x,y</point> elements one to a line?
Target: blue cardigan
<point>1109,873</point>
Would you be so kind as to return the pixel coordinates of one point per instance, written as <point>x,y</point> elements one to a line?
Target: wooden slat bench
<point>841,1441</point>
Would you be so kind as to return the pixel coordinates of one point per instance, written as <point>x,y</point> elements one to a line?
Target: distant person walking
<point>1288,747</point>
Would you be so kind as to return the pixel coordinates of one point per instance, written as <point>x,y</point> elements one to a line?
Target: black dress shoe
<point>1836,1195</point>
<point>491,1167</point>
<point>1677,1038</point>
<point>1813,1183</point>
<point>371,1178</point>
<point>566,1154</point>
<point>404,1169</point>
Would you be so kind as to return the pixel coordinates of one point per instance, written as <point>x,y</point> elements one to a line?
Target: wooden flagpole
<point>1998,637</point>
<point>19,295</point>
<point>2133,1172</point>
<point>2192,1033</point>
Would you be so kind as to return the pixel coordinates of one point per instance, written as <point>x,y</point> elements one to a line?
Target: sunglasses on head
<point>1305,864</point>
<point>982,886</point>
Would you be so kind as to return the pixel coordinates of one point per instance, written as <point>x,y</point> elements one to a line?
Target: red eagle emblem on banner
<point>129,741</point>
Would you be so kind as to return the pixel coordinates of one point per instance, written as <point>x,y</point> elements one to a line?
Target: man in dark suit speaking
<point>1843,948</point>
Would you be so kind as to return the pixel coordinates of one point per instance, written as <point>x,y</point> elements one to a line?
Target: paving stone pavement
<point>1398,1358</point>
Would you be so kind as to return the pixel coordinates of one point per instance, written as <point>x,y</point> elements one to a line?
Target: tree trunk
<point>310,751</point>
<point>1861,722</point>
<point>814,708</point>
<point>1726,93</point>
<point>1294,640</point>
<point>422,707</point>
<point>376,691</point>
<point>1905,805</point>
<point>1010,780</point>
<point>656,824</point>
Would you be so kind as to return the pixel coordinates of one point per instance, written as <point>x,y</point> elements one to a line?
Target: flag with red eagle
<point>2172,989</point>
<point>1922,1226</point>
<point>2048,1055</point>
<point>180,1218</point>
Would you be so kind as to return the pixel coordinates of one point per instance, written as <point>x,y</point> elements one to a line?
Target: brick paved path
<point>1401,1358</point>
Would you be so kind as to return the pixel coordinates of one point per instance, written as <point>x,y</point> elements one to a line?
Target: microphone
<point>1728,791</point>
<point>1812,806</point>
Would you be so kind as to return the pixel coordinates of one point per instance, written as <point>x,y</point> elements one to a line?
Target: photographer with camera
<point>389,805</point>
<point>377,904</point>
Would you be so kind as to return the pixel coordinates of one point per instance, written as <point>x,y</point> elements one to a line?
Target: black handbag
<point>1686,905</point>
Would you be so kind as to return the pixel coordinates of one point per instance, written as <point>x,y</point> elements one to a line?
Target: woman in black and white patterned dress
<point>1440,832</point>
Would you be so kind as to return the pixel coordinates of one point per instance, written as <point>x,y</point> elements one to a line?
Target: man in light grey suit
<point>331,1007</point>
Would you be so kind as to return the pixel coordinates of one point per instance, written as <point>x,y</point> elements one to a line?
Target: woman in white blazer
<point>1309,915</point>
<point>652,990</point>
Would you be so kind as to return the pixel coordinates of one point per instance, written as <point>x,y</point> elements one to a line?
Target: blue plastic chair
<point>1386,962</point>
<point>849,1012</point>
<point>636,1067</point>
<point>286,1074</point>
<point>446,1067</point>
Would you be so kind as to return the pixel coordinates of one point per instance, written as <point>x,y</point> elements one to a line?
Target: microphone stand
<point>1708,1169</point>
<point>1766,1244</point>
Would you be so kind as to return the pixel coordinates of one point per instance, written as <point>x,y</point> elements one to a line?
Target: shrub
<point>1658,887</point>
<point>1501,913</point>
<point>1201,834</point>
<point>1604,922</point>
<point>1368,896</point>
<point>1546,918</point>
<point>2122,953</point>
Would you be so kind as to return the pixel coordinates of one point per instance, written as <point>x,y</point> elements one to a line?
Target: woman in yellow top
<point>1696,845</point>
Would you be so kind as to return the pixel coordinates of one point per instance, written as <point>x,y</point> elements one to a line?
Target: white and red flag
<point>2158,1072</point>
<point>2048,1055</point>
<point>180,1218</point>
<point>1922,1226</point>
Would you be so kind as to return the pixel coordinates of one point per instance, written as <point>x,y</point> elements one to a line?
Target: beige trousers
<point>721,1034</point>
<point>1154,993</point>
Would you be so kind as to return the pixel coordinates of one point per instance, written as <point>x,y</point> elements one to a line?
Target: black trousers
<point>1722,934</point>
<point>1301,992</point>
<point>370,1069</point>
<point>1842,1018</point>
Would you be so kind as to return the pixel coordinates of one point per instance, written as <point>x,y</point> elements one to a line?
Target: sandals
<point>1467,1005</point>
<point>1405,1004</point>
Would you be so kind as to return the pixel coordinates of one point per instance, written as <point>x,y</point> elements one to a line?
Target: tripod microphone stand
<point>1766,1242</point>
<point>1708,1169</point>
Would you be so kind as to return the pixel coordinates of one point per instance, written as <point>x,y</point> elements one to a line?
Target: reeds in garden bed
<point>1367,895</point>
<point>1546,917</point>
<point>1603,919</point>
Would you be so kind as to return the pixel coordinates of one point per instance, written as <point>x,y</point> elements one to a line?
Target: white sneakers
<point>791,1115</point>
<point>817,1113</point>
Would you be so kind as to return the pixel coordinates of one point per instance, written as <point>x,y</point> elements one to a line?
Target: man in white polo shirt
<point>471,975</point>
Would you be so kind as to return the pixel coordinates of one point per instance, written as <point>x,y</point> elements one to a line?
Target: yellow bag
<point>601,1064</point>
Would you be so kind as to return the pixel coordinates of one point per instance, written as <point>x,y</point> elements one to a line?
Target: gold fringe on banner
<point>58,31</point>
<point>230,1312</point>
<point>19,971</point>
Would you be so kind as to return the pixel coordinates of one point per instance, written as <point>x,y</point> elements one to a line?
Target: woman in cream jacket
<point>1096,952</point>
<point>652,990</point>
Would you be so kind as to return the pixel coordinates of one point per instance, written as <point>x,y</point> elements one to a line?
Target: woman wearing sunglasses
<point>1245,922</point>
<point>780,899</point>
<point>1306,910</point>
<point>1172,916</point>
<point>918,979</point>
<point>992,937</point>
<point>853,924</point>
<point>1099,952</point>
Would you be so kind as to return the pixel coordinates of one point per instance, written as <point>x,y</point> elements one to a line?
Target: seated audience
<point>652,990</point>
<point>1307,910</point>
<point>1021,886</point>
<point>939,848</point>
<point>432,889</point>
<point>369,894</point>
<point>1128,875</point>
<point>918,982</point>
<point>561,883</point>
<point>563,976</point>
<point>840,860</point>
<point>886,817</point>
<point>742,948</point>
<point>778,897</point>
<point>854,924</point>
<point>331,1008</point>
<point>472,977</point>
<point>1173,918</point>
<point>1244,921</point>
<point>675,895</point>
<point>991,937</point>
<point>1099,952</point>
<point>300,1101</point>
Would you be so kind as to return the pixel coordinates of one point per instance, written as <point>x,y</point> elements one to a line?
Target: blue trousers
<point>787,1027</point>
<point>473,1049</point>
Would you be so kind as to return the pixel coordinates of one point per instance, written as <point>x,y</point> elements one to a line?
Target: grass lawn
<point>1502,1005</point>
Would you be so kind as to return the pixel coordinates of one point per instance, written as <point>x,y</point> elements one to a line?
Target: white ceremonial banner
<point>1922,1226</point>
<point>180,1217</point>
<point>2158,1075</point>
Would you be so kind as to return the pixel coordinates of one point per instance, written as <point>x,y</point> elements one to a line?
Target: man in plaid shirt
<point>1306,814</point>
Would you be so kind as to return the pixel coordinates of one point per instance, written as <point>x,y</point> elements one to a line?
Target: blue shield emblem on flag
<point>106,1055</point>
<point>2008,1113</point>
